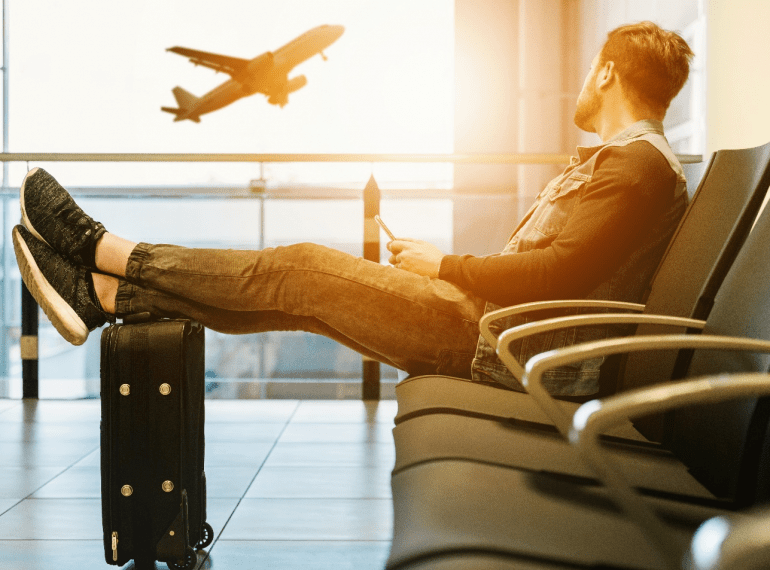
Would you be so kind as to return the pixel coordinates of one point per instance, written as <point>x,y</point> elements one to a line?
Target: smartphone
<point>385,228</point>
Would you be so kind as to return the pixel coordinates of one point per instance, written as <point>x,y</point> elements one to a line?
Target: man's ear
<point>607,75</point>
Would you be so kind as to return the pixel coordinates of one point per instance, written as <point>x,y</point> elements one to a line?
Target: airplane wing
<point>230,65</point>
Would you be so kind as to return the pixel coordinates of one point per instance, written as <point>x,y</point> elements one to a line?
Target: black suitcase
<point>152,443</point>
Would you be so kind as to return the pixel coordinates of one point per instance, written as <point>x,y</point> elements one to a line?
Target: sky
<point>91,76</point>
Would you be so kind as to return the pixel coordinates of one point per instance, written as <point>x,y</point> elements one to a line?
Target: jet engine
<point>296,83</point>
<point>281,97</point>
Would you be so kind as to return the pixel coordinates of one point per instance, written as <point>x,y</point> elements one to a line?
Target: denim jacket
<point>545,219</point>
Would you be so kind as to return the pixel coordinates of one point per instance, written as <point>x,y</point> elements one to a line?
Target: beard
<point>588,107</point>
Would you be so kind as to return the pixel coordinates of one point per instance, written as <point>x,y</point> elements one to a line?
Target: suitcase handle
<point>147,317</point>
<point>139,318</point>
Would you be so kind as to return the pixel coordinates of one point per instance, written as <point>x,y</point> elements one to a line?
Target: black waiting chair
<point>463,506</point>
<point>461,515</point>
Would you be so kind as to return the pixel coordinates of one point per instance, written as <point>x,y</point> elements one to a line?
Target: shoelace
<point>73,216</point>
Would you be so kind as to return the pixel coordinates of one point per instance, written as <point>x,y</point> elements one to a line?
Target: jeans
<point>414,323</point>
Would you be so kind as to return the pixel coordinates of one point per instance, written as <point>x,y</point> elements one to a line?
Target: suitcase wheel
<point>190,560</point>
<point>207,536</point>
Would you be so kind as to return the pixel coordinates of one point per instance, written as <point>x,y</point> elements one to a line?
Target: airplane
<point>267,74</point>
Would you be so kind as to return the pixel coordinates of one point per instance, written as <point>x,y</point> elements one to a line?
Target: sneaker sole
<point>62,316</point>
<point>24,218</point>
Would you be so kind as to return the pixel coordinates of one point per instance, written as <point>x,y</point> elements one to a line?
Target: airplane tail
<point>184,99</point>
<point>186,102</point>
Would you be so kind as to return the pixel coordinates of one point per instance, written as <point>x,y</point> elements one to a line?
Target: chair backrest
<point>703,248</point>
<point>723,444</point>
<point>694,172</point>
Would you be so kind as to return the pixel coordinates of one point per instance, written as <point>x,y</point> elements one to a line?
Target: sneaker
<point>62,289</point>
<point>50,213</point>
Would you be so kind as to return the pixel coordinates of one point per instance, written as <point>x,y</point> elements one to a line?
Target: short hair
<point>654,63</point>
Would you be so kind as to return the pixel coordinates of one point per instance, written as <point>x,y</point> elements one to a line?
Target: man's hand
<point>416,256</point>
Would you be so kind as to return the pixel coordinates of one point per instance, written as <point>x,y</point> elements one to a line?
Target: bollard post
<point>371,368</point>
<point>28,341</point>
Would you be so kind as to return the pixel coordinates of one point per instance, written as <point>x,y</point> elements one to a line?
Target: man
<point>596,231</point>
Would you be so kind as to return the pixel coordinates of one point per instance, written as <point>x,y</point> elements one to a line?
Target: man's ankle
<point>105,289</point>
<point>112,253</point>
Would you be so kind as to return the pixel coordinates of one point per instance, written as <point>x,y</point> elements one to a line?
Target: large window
<point>91,77</point>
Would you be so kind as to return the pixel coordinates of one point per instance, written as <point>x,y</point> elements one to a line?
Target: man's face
<point>588,102</point>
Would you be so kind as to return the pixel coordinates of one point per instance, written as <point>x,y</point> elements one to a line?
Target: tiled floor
<point>291,484</point>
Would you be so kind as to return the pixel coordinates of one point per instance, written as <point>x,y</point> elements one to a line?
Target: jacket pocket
<point>561,200</point>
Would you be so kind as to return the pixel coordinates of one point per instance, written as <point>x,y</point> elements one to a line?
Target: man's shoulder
<point>634,151</point>
<point>635,161</point>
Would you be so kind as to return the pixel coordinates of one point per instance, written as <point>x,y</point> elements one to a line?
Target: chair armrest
<point>493,316</point>
<point>539,364</point>
<point>731,543</point>
<point>595,416</point>
<point>547,325</point>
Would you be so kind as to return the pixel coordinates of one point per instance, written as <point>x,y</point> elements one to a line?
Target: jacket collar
<point>638,129</point>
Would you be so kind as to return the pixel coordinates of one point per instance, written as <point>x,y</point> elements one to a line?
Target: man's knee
<point>307,250</point>
<point>314,256</point>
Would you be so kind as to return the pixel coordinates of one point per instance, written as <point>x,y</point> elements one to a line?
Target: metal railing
<point>371,197</point>
<point>266,158</point>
